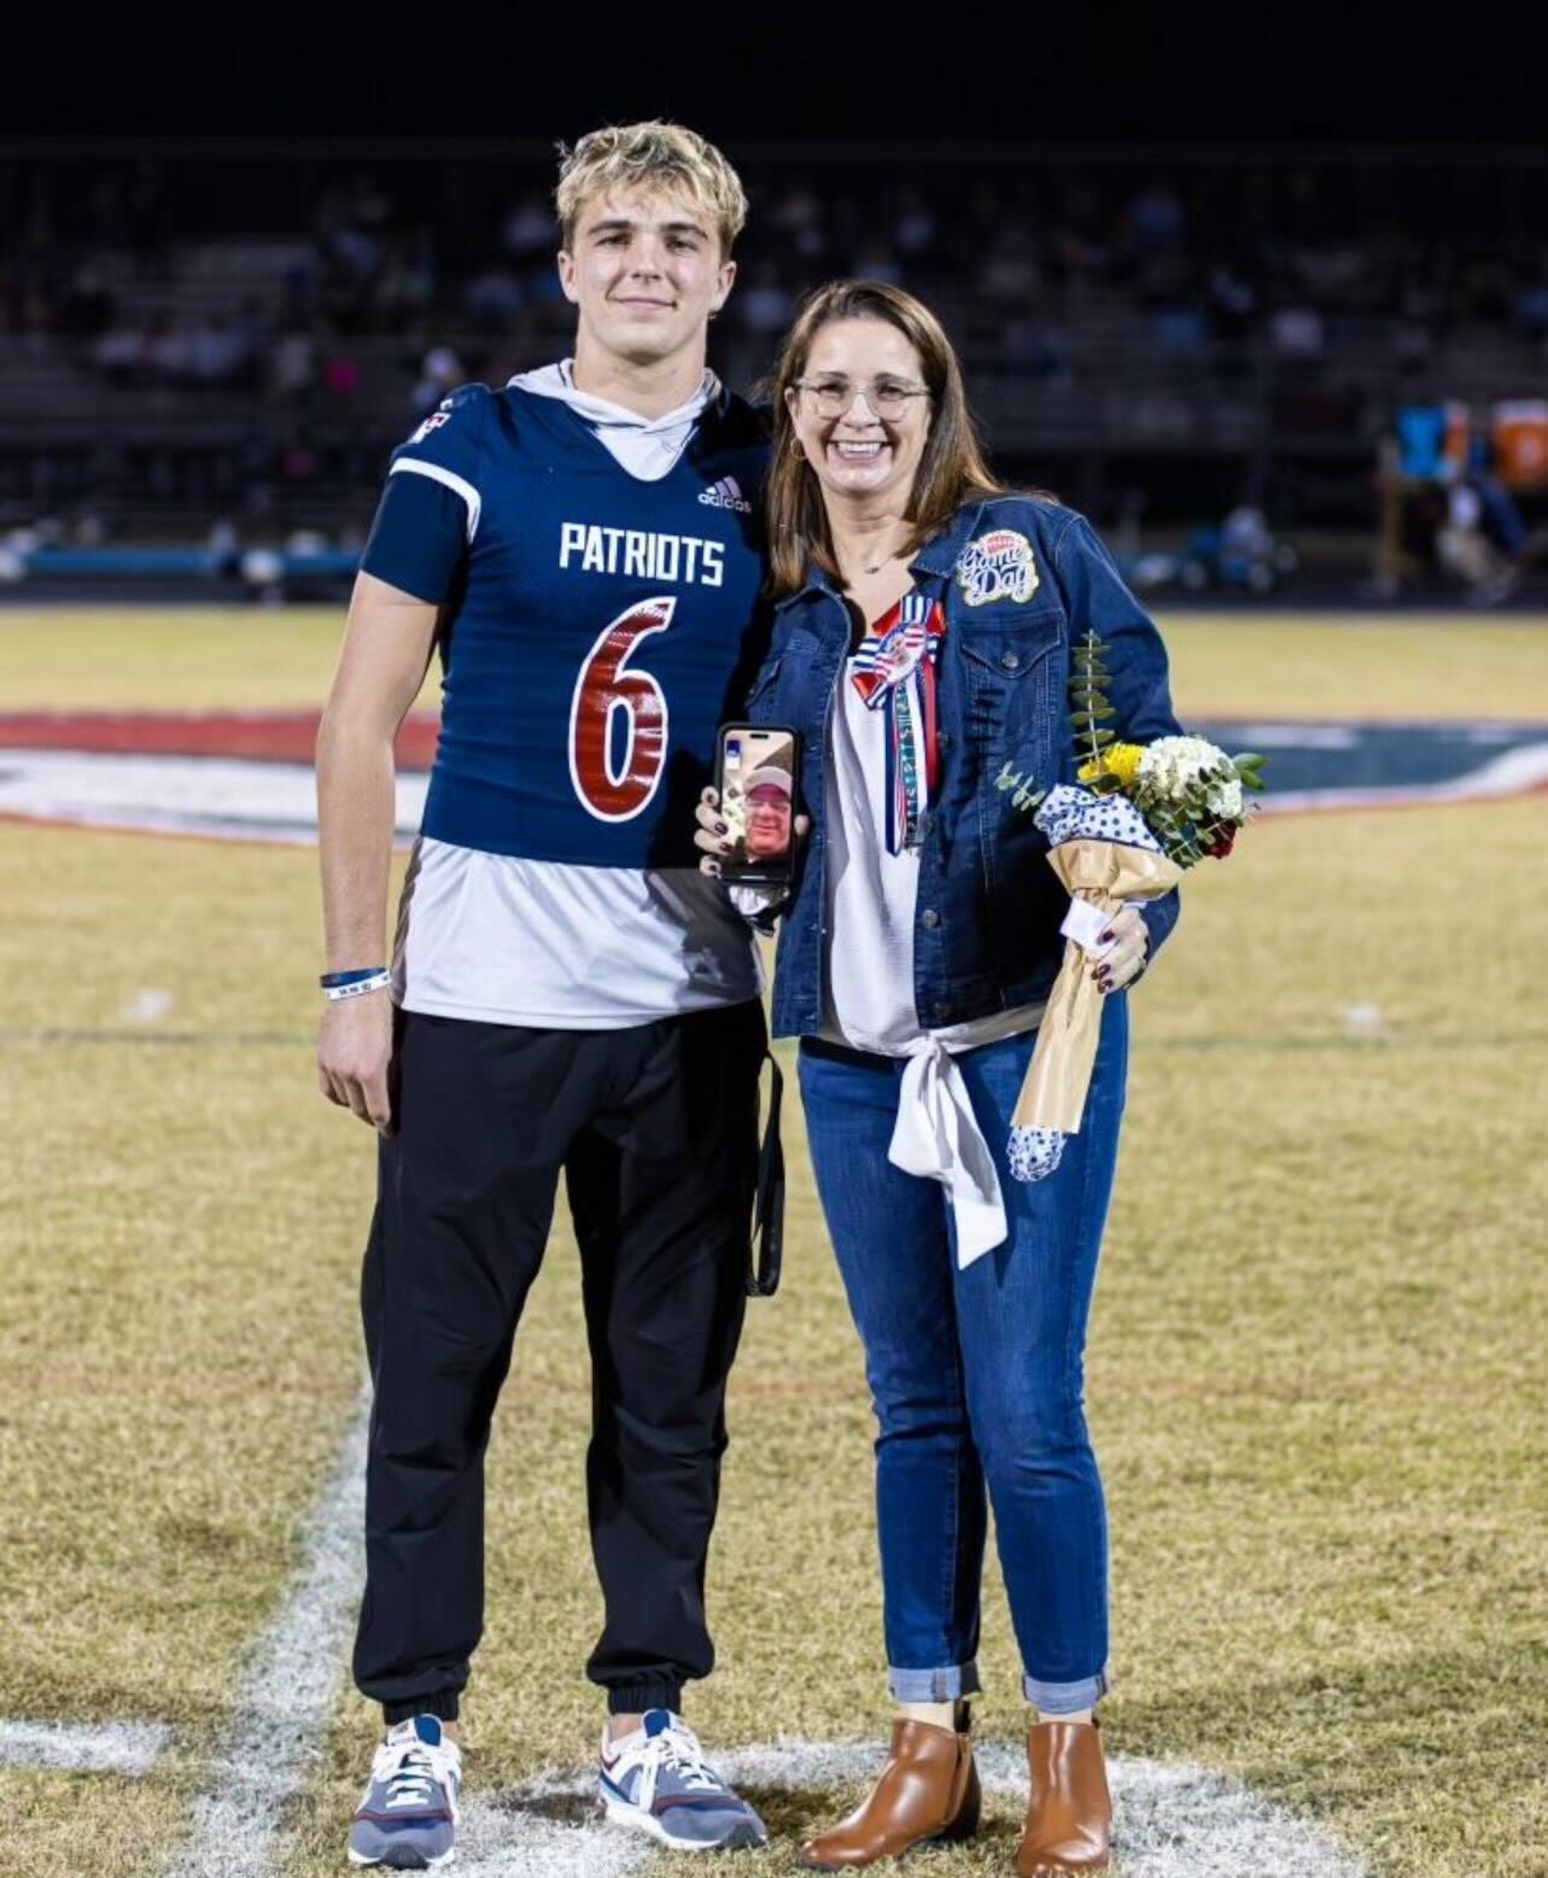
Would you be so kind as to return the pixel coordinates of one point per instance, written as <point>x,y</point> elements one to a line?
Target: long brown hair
<point>951,469</point>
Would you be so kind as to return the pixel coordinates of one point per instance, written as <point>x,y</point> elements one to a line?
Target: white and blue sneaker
<point>656,1781</point>
<point>407,1820</point>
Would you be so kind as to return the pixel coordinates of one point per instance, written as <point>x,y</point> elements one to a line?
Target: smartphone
<point>756,767</point>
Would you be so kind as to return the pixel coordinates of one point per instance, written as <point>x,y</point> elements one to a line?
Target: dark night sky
<point>744,72</point>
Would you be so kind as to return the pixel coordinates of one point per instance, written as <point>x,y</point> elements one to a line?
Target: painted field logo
<point>247,776</point>
<point>997,566</point>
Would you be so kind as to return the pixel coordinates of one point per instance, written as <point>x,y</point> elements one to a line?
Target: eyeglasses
<point>884,397</point>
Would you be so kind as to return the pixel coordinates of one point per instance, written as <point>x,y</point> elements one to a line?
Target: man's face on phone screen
<point>768,821</point>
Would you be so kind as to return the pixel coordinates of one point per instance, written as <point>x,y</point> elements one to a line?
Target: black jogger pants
<point>655,1128</point>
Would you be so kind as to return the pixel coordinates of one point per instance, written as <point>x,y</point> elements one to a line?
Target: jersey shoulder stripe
<point>437,472</point>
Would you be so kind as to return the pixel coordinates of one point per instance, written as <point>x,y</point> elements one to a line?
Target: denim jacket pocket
<point>1010,675</point>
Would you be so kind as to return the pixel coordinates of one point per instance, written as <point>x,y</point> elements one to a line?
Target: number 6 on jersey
<point>618,793</point>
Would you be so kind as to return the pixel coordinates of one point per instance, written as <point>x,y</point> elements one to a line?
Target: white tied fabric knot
<point>937,1137</point>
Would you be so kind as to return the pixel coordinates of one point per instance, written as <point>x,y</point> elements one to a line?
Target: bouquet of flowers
<point>1192,795</point>
<point>1137,816</point>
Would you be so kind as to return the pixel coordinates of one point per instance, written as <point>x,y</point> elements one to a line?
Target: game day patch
<point>997,566</point>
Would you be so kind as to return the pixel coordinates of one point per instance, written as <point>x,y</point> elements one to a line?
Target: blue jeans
<point>976,1375</point>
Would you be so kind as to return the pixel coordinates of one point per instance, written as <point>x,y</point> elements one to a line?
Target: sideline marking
<point>1171,1821</point>
<point>286,1699</point>
<point>107,1748</point>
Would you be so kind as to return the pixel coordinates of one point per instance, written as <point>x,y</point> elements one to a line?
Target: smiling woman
<point>922,647</point>
<point>868,435</point>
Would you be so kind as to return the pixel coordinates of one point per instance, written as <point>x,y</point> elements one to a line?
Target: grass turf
<point>1315,1374</point>
<point>1278,664</point>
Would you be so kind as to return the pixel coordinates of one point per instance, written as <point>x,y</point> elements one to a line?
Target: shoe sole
<point>403,1858</point>
<point>740,1838</point>
<point>953,1835</point>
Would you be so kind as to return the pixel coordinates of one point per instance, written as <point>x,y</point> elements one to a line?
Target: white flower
<point>1224,799</point>
<point>1170,764</point>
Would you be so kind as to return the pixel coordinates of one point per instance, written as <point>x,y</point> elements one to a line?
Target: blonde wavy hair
<point>652,155</point>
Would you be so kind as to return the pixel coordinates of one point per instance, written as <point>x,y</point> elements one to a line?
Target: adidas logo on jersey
<point>726,494</point>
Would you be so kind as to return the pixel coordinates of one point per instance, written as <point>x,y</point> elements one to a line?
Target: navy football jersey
<point>598,628</point>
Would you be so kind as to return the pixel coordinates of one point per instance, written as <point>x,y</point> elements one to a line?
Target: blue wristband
<point>336,985</point>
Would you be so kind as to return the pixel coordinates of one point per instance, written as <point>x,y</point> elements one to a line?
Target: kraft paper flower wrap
<point>1103,852</point>
<point>1145,813</point>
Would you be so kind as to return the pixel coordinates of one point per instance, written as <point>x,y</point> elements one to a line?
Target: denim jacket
<point>1020,579</point>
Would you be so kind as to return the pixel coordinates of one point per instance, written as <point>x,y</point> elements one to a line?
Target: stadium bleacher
<point>232,338</point>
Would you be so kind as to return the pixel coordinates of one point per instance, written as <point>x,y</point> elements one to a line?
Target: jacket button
<point>943,1011</point>
<point>930,917</point>
<point>1010,660</point>
<point>944,740</point>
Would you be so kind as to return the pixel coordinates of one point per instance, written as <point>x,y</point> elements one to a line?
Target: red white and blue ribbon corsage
<point>894,672</point>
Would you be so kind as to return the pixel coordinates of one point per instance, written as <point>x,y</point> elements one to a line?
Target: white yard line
<point>103,1748</point>
<point>287,1696</point>
<point>1172,1821</point>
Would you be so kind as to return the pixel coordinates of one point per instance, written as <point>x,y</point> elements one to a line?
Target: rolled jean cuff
<point>933,1685</point>
<point>1065,1698</point>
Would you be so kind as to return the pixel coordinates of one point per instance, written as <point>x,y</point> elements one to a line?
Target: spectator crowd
<point>1212,256</point>
<point>330,303</point>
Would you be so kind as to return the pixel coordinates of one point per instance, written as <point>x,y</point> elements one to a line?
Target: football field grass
<point>1316,1375</point>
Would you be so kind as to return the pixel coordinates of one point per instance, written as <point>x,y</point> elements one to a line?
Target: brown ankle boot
<point>928,1790</point>
<point>1070,1817</point>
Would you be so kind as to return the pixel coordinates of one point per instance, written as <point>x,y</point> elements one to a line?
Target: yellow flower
<point>1118,759</point>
